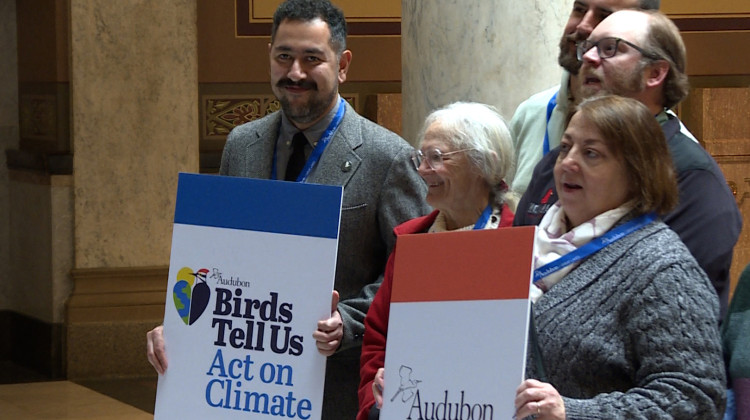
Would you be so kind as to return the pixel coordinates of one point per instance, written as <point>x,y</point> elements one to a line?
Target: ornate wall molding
<point>221,113</point>
<point>381,18</point>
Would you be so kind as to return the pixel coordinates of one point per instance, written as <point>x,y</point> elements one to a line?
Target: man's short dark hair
<point>307,10</point>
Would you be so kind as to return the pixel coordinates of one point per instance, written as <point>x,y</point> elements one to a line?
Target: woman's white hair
<point>480,127</point>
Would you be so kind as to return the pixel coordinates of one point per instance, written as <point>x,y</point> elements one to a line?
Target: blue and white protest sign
<point>251,272</point>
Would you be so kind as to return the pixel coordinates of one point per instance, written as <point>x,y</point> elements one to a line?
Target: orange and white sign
<point>458,324</point>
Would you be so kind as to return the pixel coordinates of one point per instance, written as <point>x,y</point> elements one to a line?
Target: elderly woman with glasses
<point>464,155</point>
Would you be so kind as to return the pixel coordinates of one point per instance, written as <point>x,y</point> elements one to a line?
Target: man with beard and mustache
<point>308,61</point>
<point>640,54</point>
<point>539,121</point>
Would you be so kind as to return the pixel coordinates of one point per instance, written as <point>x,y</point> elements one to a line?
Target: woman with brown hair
<point>624,323</point>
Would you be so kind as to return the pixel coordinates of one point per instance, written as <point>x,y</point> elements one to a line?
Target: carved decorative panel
<point>38,115</point>
<point>718,117</point>
<point>44,112</point>
<point>221,113</point>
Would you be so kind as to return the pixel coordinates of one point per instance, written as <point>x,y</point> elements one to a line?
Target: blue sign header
<point>259,205</point>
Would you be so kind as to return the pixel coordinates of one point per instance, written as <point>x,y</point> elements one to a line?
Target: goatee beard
<point>309,111</point>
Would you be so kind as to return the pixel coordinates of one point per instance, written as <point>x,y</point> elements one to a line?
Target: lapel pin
<point>347,166</point>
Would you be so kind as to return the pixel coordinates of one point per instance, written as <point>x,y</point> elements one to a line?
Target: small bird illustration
<point>201,274</point>
<point>407,386</point>
<point>200,295</point>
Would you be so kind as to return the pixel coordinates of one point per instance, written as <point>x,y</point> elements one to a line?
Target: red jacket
<point>376,321</point>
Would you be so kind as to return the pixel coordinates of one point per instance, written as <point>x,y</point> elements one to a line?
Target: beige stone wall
<point>134,125</point>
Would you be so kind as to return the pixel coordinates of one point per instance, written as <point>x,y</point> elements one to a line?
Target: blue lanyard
<point>317,152</point>
<point>550,107</point>
<point>483,218</point>
<point>593,246</point>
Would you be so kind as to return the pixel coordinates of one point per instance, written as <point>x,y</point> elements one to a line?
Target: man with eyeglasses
<point>318,137</point>
<point>539,121</point>
<point>640,54</point>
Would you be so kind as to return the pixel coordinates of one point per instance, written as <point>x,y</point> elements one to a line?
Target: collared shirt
<point>529,125</point>
<point>663,117</point>
<point>287,132</point>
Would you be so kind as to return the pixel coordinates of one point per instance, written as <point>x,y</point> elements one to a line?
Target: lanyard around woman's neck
<point>593,246</point>
<point>317,152</point>
<point>483,218</point>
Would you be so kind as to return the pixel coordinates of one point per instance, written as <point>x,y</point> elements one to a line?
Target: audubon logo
<point>454,405</point>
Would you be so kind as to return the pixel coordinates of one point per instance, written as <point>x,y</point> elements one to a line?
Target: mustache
<point>588,72</point>
<point>304,84</point>
<point>575,37</point>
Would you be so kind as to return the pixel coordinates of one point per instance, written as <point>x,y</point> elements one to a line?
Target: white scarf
<point>553,240</point>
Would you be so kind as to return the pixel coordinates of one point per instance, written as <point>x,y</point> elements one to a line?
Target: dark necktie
<point>297,159</point>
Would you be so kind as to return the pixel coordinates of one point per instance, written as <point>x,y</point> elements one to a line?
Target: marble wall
<point>8,136</point>
<point>497,52</point>
<point>134,90</point>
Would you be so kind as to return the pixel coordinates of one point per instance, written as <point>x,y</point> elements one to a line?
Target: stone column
<point>497,52</point>
<point>134,127</point>
<point>134,87</point>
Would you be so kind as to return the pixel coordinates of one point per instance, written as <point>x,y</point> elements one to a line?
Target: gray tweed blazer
<point>632,333</point>
<point>381,190</point>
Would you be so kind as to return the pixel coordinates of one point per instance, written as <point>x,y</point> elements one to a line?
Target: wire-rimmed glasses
<point>433,157</point>
<point>608,47</point>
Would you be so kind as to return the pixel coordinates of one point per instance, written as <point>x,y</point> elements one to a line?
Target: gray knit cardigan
<point>632,333</point>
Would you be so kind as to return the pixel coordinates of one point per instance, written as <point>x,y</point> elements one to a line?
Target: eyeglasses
<point>607,48</point>
<point>434,157</point>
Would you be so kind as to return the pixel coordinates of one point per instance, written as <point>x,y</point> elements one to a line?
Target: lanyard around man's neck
<point>550,107</point>
<point>320,147</point>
